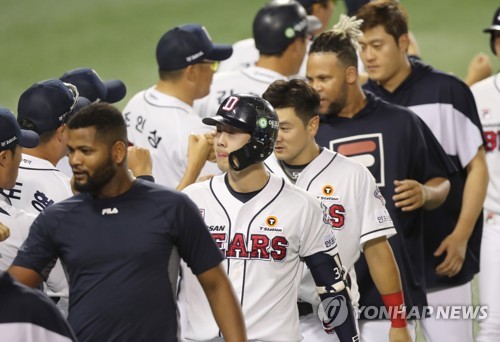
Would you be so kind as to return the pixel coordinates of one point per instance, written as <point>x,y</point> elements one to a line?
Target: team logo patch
<point>202,213</point>
<point>368,149</point>
<point>333,215</point>
<point>262,122</point>
<point>271,221</point>
<point>328,190</point>
<point>378,195</point>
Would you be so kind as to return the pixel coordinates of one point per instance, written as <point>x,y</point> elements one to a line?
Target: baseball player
<point>280,30</point>
<point>116,238</point>
<point>486,94</point>
<point>245,54</point>
<point>453,232</point>
<point>351,202</point>
<point>407,162</point>
<point>17,222</point>
<point>161,118</point>
<point>263,225</point>
<point>92,87</point>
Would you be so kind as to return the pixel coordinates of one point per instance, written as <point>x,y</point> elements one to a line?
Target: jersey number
<point>492,140</point>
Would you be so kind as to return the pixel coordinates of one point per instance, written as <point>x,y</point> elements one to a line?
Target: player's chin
<point>223,165</point>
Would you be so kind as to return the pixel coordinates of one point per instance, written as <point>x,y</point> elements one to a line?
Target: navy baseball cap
<point>278,23</point>
<point>188,44</point>
<point>46,105</point>
<point>11,134</point>
<point>92,87</point>
<point>495,25</point>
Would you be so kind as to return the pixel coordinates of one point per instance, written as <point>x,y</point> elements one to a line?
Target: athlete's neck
<point>395,81</point>
<point>175,89</point>
<point>43,152</point>
<point>356,100</point>
<point>121,182</point>
<point>250,179</point>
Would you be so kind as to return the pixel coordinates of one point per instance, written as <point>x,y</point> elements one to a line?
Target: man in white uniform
<point>245,53</point>
<point>161,118</point>
<point>264,226</point>
<point>281,32</point>
<point>487,95</point>
<point>44,108</point>
<point>352,203</point>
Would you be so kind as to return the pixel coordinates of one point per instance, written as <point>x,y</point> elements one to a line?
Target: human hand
<point>455,247</point>
<point>4,232</point>
<point>409,194</point>
<point>210,140</point>
<point>479,68</point>
<point>139,161</point>
<point>399,335</point>
<point>199,148</point>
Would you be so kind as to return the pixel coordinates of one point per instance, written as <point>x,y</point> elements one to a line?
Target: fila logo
<point>109,211</point>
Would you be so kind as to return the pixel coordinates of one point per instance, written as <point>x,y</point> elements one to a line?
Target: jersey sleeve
<point>316,236</point>
<point>39,251</point>
<point>376,219</point>
<point>195,244</point>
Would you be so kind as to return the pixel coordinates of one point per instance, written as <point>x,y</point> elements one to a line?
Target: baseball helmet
<point>254,115</point>
<point>495,26</point>
<point>278,23</point>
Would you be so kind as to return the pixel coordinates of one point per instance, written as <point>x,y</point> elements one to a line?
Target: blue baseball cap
<point>92,87</point>
<point>11,134</point>
<point>46,105</point>
<point>186,45</point>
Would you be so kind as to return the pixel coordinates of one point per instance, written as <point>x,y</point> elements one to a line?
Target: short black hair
<point>295,94</point>
<point>339,44</point>
<point>107,120</point>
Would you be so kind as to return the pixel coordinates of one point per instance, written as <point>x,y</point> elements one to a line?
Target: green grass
<point>42,39</point>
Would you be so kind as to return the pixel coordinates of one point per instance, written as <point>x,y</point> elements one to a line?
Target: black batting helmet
<point>254,115</point>
<point>495,26</point>
<point>278,23</point>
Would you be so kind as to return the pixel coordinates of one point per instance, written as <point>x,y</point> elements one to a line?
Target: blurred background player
<point>92,87</point>
<point>263,226</point>
<point>452,235</point>
<point>407,162</point>
<point>245,53</point>
<point>487,96</point>
<point>161,118</point>
<point>351,202</point>
<point>281,31</point>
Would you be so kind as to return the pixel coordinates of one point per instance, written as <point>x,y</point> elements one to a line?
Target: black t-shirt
<point>394,144</point>
<point>121,256</point>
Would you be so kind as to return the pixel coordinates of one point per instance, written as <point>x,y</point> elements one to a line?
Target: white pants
<point>489,280</point>
<point>378,330</point>
<point>457,330</point>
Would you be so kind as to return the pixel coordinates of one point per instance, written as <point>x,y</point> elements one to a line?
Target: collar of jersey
<point>160,99</point>
<point>263,74</point>
<point>30,162</point>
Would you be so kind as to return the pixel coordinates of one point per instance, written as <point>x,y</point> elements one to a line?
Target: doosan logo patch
<point>109,211</point>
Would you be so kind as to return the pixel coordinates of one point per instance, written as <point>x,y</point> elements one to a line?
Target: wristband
<point>395,304</point>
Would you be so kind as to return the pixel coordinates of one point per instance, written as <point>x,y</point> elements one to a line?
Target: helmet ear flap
<point>249,154</point>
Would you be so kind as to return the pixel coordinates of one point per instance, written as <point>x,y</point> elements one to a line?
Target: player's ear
<point>3,156</point>
<point>404,42</point>
<point>351,74</point>
<point>313,125</point>
<point>191,72</point>
<point>119,152</point>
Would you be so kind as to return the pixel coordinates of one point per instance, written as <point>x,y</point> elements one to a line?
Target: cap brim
<point>220,120</point>
<point>29,139</point>
<point>220,52</point>
<point>313,24</point>
<point>116,91</point>
<point>492,28</point>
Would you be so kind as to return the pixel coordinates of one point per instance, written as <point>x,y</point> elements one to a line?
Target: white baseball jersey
<point>487,96</point>
<point>38,185</point>
<point>263,240</point>
<point>252,80</point>
<point>352,206</point>
<point>19,223</point>
<point>245,54</point>
<point>162,124</point>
